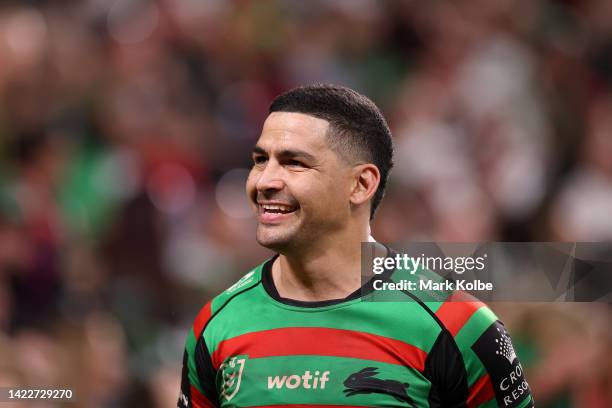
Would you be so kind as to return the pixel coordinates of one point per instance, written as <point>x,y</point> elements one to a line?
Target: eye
<point>259,159</point>
<point>295,163</point>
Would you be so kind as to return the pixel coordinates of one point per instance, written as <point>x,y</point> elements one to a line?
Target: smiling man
<point>296,331</point>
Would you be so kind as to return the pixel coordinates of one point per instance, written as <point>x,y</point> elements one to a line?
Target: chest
<point>314,366</point>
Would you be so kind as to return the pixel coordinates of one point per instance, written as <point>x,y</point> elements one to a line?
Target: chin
<point>274,241</point>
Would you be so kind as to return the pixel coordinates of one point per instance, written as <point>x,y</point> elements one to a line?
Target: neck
<point>329,269</point>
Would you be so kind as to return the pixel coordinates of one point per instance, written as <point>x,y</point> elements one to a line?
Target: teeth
<point>276,207</point>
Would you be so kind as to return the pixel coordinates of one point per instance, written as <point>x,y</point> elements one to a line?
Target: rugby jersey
<point>249,347</point>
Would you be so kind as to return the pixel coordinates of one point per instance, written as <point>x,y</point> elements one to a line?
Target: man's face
<point>298,187</point>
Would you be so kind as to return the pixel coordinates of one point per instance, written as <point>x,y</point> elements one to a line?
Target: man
<point>296,331</point>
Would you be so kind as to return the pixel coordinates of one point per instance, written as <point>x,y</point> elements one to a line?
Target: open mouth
<point>277,208</point>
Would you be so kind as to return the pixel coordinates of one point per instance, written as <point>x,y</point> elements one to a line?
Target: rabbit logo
<point>365,382</point>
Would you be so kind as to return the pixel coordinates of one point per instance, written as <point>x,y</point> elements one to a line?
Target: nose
<point>270,178</point>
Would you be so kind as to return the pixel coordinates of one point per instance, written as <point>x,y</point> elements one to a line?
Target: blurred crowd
<point>126,128</point>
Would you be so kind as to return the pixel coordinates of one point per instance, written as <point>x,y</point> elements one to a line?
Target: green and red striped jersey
<point>249,347</point>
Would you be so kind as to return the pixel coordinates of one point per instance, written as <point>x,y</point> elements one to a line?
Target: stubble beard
<point>287,240</point>
<point>277,241</point>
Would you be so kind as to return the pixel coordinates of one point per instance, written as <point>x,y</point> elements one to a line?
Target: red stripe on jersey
<point>457,310</point>
<point>481,391</point>
<point>198,400</point>
<point>320,341</point>
<point>201,320</point>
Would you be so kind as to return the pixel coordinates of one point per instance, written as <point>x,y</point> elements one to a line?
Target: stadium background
<point>125,137</point>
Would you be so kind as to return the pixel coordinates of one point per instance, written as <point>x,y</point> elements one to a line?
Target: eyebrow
<point>286,153</point>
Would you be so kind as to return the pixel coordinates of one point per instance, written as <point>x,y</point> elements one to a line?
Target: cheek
<point>327,195</point>
<point>250,183</point>
<point>339,195</point>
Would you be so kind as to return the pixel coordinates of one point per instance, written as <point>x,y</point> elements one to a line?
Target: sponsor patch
<point>231,374</point>
<point>495,350</point>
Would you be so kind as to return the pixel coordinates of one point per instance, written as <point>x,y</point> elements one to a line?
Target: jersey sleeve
<point>493,374</point>
<point>198,389</point>
<point>199,378</point>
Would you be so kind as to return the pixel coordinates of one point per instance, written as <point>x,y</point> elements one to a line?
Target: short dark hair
<point>358,130</point>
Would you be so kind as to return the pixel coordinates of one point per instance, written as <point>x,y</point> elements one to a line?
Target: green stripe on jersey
<point>250,279</point>
<point>406,321</point>
<point>467,336</point>
<point>489,404</point>
<point>322,380</point>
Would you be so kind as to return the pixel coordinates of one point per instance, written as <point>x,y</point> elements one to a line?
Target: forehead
<point>288,129</point>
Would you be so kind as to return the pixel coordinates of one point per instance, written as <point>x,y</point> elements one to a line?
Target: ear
<point>366,178</point>
<point>368,371</point>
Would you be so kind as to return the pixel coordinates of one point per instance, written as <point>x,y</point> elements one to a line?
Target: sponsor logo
<point>365,382</point>
<point>245,280</point>
<point>505,348</point>
<point>495,350</point>
<point>231,376</point>
<point>306,381</point>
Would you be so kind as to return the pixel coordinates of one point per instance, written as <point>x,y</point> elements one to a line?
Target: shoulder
<point>492,367</point>
<point>468,321</point>
<point>213,308</point>
<point>453,310</point>
<point>461,312</point>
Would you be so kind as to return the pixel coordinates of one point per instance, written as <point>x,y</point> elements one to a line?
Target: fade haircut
<point>358,131</point>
